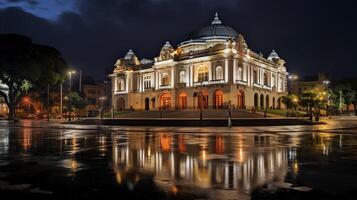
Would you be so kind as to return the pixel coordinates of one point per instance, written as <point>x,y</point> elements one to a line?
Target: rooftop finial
<point>216,20</point>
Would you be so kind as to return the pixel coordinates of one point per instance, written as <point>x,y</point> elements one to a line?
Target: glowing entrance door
<point>165,101</point>
<point>218,99</point>
<point>202,99</point>
<point>240,100</point>
<point>182,101</point>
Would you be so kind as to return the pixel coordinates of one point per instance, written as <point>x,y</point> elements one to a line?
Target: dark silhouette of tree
<point>25,65</point>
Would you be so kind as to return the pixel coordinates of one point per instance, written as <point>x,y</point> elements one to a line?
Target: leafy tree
<point>25,65</point>
<point>307,100</point>
<point>78,102</point>
<point>290,101</point>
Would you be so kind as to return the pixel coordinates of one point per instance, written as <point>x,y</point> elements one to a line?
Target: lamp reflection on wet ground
<point>169,165</point>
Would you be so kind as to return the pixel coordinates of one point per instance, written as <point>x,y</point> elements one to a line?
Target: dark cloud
<point>30,2</point>
<point>311,36</point>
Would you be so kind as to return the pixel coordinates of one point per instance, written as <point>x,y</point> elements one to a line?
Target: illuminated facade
<point>3,107</point>
<point>213,69</point>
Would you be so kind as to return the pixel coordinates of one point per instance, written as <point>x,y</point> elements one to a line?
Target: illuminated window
<point>265,78</point>
<point>240,73</point>
<point>255,76</point>
<point>202,72</point>
<point>182,76</point>
<point>147,82</point>
<point>219,73</point>
<point>120,85</point>
<point>165,79</point>
<point>273,81</point>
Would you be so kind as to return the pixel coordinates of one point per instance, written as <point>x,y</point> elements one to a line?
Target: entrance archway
<point>182,101</point>
<point>279,103</point>
<point>256,104</point>
<point>202,99</point>
<point>147,103</point>
<point>273,102</point>
<point>218,99</point>
<point>240,99</point>
<point>261,101</point>
<point>120,104</point>
<point>267,103</point>
<point>165,101</point>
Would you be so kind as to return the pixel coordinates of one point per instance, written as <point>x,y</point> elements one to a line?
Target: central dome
<point>215,30</point>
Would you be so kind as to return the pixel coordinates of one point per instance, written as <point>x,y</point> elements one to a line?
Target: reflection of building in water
<point>222,162</point>
<point>4,141</point>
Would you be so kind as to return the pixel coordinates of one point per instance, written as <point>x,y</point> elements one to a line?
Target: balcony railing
<point>180,85</point>
<point>241,82</point>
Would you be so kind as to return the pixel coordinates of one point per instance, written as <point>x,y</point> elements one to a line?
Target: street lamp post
<point>61,101</point>
<point>70,91</point>
<point>102,105</point>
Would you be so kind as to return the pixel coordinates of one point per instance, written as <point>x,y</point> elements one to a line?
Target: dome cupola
<point>215,31</point>
<point>273,56</point>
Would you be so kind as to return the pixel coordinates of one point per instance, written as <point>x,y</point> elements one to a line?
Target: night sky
<point>310,35</point>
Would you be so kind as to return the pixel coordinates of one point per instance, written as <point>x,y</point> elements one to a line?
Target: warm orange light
<point>165,142</point>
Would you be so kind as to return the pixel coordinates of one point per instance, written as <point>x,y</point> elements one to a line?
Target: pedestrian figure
<point>229,116</point>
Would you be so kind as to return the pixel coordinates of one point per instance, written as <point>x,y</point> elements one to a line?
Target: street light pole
<point>61,101</point>
<point>340,101</point>
<point>69,96</point>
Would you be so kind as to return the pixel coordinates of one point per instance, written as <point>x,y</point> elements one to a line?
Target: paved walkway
<point>216,114</point>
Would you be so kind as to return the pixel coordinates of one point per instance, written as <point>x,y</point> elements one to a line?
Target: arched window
<point>218,99</point>
<point>165,79</point>
<point>219,73</point>
<point>202,73</point>
<point>256,103</point>
<point>120,85</point>
<point>182,76</point>
<point>261,101</point>
<point>255,76</point>
<point>272,80</point>
<point>240,73</point>
<point>265,78</point>
<point>267,102</point>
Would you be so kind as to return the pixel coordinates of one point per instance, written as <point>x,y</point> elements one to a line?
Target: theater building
<point>213,69</point>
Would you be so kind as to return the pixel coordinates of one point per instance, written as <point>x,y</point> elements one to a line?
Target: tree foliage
<point>24,65</point>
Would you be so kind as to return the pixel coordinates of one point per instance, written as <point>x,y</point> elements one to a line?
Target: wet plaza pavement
<point>86,162</point>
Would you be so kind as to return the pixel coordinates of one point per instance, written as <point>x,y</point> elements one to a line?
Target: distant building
<point>212,69</point>
<point>309,83</point>
<point>96,96</point>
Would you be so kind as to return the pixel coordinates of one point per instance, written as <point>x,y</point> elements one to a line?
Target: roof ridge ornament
<point>216,19</point>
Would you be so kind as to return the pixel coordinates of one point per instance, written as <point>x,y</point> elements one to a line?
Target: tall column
<point>156,80</point>
<point>234,70</point>
<point>226,70</point>
<point>191,75</point>
<point>209,71</point>
<point>172,77</point>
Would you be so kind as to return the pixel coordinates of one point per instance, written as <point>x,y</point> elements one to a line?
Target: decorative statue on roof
<point>241,44</point>
<point>167,52</point>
